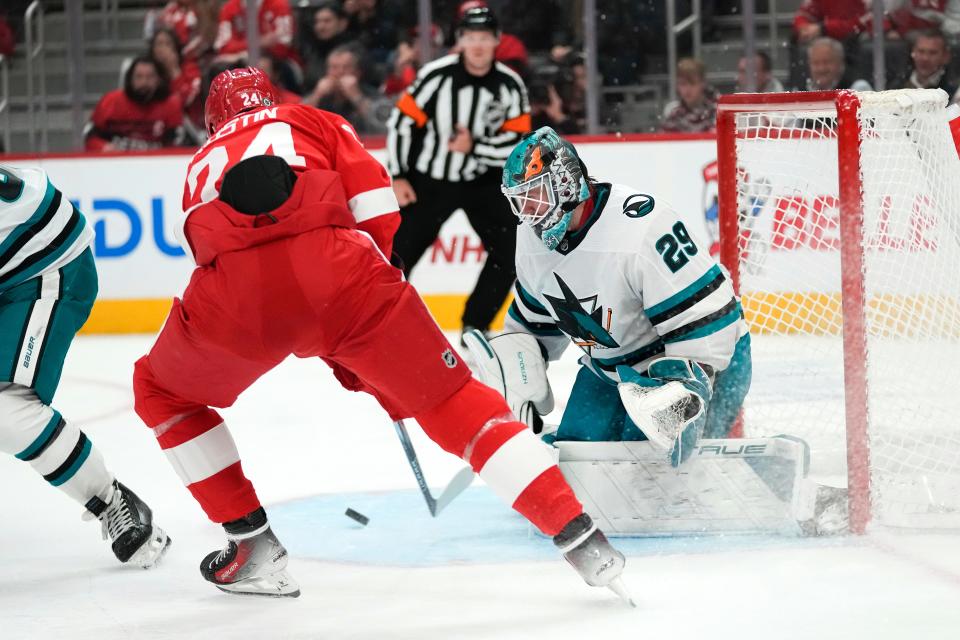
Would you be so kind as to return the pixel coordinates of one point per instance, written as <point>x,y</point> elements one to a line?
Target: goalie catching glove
<point>513,364</point>
<point>669,404</point>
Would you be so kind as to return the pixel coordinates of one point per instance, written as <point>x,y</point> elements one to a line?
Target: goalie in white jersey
<point>48,282</point>
<point>666,358</point>
<point>616,271</point>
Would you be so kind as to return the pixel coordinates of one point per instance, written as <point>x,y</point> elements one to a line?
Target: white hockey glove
<point>512,364</point>
<point>669,404</point>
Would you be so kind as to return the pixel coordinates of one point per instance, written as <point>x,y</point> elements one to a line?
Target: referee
<point>447,140</point>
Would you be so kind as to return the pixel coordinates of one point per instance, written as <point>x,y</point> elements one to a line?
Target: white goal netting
<point>788,210</point>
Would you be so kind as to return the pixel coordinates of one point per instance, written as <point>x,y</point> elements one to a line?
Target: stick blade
<point>455,487</point>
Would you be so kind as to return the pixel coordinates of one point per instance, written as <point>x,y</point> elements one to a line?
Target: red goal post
<point>839,214</point>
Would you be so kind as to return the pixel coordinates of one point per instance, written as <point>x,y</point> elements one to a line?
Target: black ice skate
<point>253,562</point>
<point>128,522</point>
<point>585,547</point>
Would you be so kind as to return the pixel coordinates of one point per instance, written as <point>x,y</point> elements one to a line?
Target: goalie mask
<point>544,180</point>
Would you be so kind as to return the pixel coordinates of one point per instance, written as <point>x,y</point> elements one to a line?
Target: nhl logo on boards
<point>638,205</point>
<point>449,359</point>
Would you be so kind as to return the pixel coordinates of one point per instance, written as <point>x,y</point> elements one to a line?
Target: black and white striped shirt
<point>493,107</point>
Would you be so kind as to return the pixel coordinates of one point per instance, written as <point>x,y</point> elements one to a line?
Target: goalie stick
<point>455,487</point>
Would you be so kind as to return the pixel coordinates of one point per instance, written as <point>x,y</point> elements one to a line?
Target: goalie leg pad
<point>475,424</point>
<point>728,486</point>
<point>730,387</point>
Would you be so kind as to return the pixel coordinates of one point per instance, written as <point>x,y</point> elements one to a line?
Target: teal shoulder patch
<point>638,205</point>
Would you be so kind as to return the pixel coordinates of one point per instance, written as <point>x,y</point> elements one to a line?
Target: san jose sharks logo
<point>583,325</point>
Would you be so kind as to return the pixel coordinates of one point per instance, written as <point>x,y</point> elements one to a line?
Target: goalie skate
<point>253,562</point>
<point>128,523</point>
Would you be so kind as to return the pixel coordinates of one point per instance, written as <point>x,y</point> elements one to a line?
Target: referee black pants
<point>489,214</point>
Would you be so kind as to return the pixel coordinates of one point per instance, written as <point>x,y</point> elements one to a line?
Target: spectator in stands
<point>911,17</point>
<point>142,115</point>
<point>827,70</point>
<point>328,30</point>
<point>403,66</point>
<point>571,86</point>
<point>269,65</point>
<point>510,51</point>
<point>695,110</point>
<point>838,19</point>
<point>342,91</point>
<point>542,26</point>
<point>183,75</point>
<point>276,30</point>
<point>375,24</point>
<point>848,21</point>
<point>546,108</point>
<point>929,55</point>
<point>193,21</point>
<point>765,82</point>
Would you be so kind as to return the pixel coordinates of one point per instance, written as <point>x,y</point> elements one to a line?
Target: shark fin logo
<point>583,325</point>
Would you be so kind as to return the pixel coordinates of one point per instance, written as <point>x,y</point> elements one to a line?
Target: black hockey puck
<point>356,515</point>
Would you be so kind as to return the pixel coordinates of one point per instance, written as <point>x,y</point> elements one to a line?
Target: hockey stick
<point>455,487</point>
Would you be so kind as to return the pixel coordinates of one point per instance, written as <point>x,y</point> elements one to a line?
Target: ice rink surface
<point>313,449</point>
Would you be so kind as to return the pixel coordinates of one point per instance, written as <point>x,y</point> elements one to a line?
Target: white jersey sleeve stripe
<point>373,203</point>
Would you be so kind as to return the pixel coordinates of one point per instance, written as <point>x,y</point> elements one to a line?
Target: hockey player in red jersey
<point>289,219</point>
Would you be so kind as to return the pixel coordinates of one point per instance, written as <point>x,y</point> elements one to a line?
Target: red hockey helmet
<point>235,91</point>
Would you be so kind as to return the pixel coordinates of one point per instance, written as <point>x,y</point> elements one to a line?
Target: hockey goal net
<point>840,226</point>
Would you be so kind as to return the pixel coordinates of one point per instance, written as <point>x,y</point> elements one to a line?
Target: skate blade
<point>616,585</point>
<point>152,550</point>
<point>278,584</point>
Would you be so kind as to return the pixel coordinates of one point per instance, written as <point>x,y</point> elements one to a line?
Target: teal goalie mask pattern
<point>544,182</point>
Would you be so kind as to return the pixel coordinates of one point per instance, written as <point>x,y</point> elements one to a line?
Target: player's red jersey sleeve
<point>367,184</point>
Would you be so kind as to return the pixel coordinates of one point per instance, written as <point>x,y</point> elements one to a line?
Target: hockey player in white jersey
<point>48,282</point>
<point>666,358</point>
<point>616,271</point>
